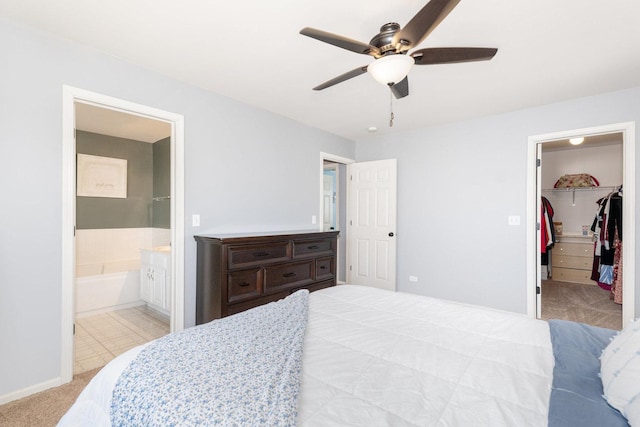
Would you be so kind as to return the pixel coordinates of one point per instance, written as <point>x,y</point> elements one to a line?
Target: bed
<point>368,357</point>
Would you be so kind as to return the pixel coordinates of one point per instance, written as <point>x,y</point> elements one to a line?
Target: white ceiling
<point>251,50</point>
<point>589,142</point>
<point>123,125</point>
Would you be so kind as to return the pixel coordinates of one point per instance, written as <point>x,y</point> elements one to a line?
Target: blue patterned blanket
<point>242,370</point>
<point>576,394</point>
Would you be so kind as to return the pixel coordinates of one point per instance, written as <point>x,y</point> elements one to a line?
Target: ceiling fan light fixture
<point>390,69</point>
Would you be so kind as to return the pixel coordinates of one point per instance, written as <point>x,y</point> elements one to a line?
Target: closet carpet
<point>581,303</point>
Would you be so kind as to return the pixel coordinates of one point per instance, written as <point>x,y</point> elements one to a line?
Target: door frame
<point>71,95</point>
<point>332,167</point>
<point>629,235</point>
<point>345,161</point>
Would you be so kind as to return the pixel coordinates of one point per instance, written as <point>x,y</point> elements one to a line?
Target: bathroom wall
<point>161,208</point>
<point>136,209</point>
<point>111,231</point>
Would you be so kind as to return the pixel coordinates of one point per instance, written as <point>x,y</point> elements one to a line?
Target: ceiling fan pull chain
<point>390,108</point>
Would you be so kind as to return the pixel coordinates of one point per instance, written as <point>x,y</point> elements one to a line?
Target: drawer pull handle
<point>288,274</point>
<point>245,284</point>
<point>262,253</point>
<point>312,247</point>
<point>323,267</point>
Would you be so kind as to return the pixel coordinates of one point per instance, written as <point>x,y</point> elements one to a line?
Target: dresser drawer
<point>571,275</point>
<point>573,249</point>
<point>243,284</point>
<point>239,271</point>
<point>244,256</point>
<point>325,268</point>
<point>306,248</point>
<point>288,275</point>
<point>579,262</point>
<point>246,305</point>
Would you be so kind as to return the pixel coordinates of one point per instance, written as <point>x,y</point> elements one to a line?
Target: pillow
<point>620,369</point>
<point>632,412</point>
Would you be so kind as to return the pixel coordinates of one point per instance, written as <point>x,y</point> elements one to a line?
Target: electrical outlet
<point>314,219</point>
<point>413,278</point>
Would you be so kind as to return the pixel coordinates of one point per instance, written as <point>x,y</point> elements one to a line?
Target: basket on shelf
<point>576,180</point>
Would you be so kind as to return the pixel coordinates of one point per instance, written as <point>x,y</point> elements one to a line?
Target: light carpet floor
<point>44,409</point>
<point>580,303</point>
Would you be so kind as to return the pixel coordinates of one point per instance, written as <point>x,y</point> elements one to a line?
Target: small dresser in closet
<point>572,259</point>
<point>236,272</point>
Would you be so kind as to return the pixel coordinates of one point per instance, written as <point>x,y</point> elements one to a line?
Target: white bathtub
<point>102,287</point>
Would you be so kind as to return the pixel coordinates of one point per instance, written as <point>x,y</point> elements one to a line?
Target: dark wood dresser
<point>236,272</point>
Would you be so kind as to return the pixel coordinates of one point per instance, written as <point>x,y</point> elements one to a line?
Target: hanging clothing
<point>547,233</point>
<point>616,287</point>
<point>607,231</point>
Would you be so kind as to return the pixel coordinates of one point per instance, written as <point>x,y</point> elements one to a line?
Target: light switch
<point>195,220</point>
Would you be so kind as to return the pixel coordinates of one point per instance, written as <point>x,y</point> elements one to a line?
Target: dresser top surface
<point>290,234</point>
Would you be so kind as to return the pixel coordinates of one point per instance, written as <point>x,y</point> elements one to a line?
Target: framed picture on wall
<point>101,177</point>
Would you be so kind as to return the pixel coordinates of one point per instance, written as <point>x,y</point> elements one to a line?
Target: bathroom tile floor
<point>102,337</point>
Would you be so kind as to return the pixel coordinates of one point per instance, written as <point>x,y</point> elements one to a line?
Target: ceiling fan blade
<point>346,76</point>
<point>421,25</point>
<point>343,42</point>
<point>401,89</point>
<point>450,55</point>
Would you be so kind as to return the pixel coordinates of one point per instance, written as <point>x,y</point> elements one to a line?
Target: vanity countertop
<point>166,248</point>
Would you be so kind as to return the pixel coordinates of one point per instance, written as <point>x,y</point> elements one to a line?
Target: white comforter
<point>378,358</point>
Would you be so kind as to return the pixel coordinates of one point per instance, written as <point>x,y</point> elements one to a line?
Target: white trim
<point>345,161</point>
<point>28,391</point>
<point>629,234</point>
<point>332,167</point>
<point>330,158</point>
<point>71,95</point>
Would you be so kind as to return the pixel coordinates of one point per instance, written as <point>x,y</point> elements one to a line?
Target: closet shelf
<point>574,189</point>
<point>609,188</point>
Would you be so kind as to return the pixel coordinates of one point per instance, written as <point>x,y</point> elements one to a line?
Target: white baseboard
<point>19,394</point>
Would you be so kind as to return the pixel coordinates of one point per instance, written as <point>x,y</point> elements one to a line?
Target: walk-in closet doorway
<point>536,190</point>
<point>570,290</point>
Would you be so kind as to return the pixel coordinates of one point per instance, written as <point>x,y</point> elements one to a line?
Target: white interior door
<point>538,227</point>
<point>371,227</point>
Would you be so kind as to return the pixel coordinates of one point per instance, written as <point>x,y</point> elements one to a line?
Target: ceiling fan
<point>390,49</point>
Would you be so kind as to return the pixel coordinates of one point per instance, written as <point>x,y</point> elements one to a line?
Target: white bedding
<point>379,358</point>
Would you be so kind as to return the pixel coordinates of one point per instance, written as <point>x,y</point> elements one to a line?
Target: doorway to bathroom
<point>123,208</point>
<point>123,233</point>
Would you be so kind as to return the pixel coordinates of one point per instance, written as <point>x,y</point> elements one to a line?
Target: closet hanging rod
<point>610,188</point>
<point>161,198</point>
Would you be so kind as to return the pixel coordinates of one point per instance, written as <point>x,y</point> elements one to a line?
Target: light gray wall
<point>458,183</point>
<point>244,169</point>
